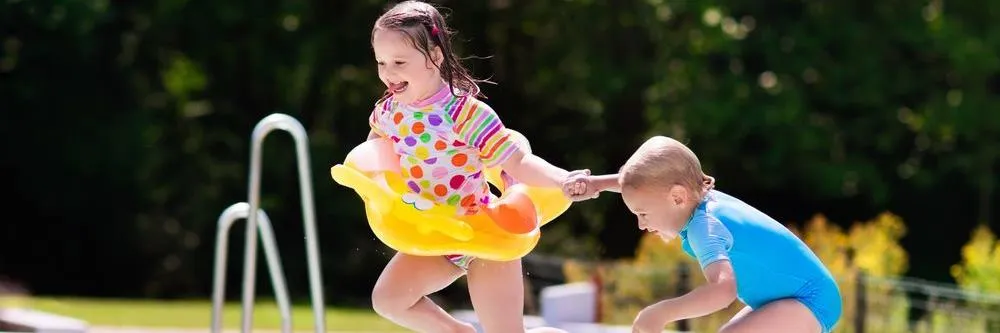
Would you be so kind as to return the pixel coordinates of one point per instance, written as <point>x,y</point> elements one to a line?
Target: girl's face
<point>406,72</point>
<point>660,211</point>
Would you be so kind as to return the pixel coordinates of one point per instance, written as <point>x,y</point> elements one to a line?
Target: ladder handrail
<point>229,216</point>
<point>278,121</point>
<point>294,127</point>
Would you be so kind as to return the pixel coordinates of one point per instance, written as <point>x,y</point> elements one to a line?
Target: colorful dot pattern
<point>444,146</point>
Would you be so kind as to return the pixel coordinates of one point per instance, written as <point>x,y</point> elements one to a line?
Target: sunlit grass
<point>196,314</point>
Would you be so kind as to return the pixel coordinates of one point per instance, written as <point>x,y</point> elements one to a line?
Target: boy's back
<point>769,261</point>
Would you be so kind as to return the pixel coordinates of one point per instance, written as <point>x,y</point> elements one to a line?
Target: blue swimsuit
<point>769,261</point>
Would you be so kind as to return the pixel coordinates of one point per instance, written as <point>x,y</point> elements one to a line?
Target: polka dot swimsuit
<point>445,143</point>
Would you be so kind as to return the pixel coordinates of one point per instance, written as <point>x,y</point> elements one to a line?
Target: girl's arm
<point>719,293</point>
<point>479,126</point>
<point>533,170</point>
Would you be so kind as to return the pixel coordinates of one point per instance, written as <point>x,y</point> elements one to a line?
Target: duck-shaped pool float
<point>507,229</point>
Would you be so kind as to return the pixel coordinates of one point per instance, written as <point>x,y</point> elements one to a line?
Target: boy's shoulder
<point>717,200</point>
<point>729,209</point>
<point>720,206</point>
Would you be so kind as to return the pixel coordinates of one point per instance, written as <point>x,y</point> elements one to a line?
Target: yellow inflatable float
<point>506,230</point>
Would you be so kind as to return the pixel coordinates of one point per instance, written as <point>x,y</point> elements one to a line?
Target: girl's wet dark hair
<point>426,28</point>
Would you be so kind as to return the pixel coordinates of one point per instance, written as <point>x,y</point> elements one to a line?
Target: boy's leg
<point>545,330</point>
<point>736,317</point>
<point>785,315</point>
<point>400,294</point>
<point>497,292</point>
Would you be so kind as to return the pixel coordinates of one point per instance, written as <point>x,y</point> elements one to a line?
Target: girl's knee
<point>387,302</point>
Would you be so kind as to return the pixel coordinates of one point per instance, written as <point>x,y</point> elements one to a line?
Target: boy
<point>743,253</point>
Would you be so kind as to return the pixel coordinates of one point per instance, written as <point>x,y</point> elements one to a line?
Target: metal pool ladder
<point>260,222</point>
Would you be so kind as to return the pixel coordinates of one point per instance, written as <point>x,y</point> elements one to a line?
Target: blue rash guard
<point>769,261</point>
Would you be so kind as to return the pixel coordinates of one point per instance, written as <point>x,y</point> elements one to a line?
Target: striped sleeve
<point>373,120</point>
<point>479,126</point>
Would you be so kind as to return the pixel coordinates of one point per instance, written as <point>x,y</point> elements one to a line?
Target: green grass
<point>197,314</point>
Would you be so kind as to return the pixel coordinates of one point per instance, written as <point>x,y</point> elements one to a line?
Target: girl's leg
<point>785,315</point>
<point>497,292</point>
<point>400,293</point>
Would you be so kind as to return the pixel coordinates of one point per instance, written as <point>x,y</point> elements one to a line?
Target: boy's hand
<point>579,186</point>
<point>650,320</point>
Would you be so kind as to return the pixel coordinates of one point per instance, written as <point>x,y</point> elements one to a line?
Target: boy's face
<point>661,211</point>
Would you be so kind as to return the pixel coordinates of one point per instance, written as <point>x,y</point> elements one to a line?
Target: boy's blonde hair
<point>663,161</point>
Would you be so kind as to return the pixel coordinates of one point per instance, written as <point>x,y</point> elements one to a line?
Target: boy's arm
<point>710,241</point>
<point>606,183</point>
<point>703,300</point>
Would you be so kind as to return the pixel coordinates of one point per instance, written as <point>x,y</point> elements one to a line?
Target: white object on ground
<point>571,307</point>
<point>569,303</point>
<point>27,320</point>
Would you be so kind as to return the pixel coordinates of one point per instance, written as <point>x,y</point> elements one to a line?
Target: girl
<point>743,253</point>
<point>446,138</point>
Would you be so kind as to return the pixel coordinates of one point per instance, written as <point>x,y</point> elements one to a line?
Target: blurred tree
<point>980,263</point>
<point>126,124</point>
<point>978,271</point>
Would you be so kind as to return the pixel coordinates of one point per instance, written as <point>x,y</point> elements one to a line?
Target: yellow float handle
<point>438,218</point>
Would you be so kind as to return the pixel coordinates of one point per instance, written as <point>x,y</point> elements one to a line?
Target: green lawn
<point>197,314</point>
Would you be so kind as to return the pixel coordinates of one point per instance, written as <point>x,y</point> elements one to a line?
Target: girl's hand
<point>579,186</point>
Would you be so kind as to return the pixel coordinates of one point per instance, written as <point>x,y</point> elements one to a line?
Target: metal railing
<point>258,221</point>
